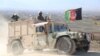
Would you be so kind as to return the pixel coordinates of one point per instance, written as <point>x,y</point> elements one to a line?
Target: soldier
<point>15,17</point>
<point>40,17</point>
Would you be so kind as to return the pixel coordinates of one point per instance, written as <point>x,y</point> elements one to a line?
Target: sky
<point>87,5</point>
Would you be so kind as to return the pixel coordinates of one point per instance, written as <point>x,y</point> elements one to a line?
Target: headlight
<point>80,35</point>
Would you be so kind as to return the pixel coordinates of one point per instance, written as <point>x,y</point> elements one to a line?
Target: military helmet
<point>40,13</point>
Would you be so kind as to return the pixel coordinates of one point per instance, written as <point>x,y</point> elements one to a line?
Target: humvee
<point>28,34</point>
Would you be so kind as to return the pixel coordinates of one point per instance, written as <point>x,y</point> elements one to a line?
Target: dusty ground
<point>94,50</point>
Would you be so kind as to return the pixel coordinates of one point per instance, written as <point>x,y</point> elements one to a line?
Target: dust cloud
<point>3,35</point>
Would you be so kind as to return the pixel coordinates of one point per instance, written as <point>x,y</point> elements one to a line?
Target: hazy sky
<point>90,5</point>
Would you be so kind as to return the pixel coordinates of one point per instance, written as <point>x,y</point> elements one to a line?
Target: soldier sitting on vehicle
<point>40,17</point>
<point>15,17</point>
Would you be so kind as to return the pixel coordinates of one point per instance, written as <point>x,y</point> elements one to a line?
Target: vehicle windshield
<point>60,28</point>
<point>56,28</point>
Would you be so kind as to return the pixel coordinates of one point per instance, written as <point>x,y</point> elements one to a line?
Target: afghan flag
<point>74,14</point>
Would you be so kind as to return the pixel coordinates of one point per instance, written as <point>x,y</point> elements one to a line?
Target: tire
<point>66,45</point>
<point>16,47</point>
<point>73,50</point>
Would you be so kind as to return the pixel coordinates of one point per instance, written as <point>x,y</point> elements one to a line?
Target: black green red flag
<point>73,14</point>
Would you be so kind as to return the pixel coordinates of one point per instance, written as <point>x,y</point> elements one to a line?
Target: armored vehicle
<point>28,34</point>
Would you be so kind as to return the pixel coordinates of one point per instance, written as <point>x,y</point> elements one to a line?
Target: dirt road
<point>35,53</point>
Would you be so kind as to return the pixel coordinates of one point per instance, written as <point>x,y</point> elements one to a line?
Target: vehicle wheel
<point>16,47</point>
<point>73,50</point>
<point>66,45</point>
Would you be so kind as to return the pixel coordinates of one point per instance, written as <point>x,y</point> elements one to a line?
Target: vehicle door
<point>40,40</point>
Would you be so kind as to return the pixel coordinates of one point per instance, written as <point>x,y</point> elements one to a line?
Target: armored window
<point>59,28</point>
